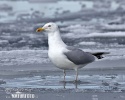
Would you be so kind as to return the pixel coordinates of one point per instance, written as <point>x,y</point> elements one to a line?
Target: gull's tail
<point>99,55</point>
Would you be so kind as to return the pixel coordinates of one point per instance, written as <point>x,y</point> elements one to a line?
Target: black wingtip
<point>99,55</point>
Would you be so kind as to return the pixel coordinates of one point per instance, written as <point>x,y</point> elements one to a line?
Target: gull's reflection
<point>71,82</point>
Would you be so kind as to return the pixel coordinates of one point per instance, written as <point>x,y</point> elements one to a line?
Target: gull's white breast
<point>59,59</point>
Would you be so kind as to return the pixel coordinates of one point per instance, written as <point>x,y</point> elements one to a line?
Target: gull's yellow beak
<point>40,29</point>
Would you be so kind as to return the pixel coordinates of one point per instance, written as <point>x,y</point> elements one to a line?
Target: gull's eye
<point>49,25</point>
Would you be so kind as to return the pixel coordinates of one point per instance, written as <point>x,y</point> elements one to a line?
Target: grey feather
<point>78,56</point>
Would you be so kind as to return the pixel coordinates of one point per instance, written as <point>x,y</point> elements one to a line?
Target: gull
<point>63,56</point>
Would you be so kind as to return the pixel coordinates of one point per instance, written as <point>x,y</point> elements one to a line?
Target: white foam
<point>20,57</point>
<point>87,43</point>
<point>109,34</point>
<point>114,27</point>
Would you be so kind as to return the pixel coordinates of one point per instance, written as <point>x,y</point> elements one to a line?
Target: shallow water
<point>86,83</point>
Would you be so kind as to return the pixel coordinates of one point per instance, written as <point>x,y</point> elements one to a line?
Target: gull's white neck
<point>55,40</point>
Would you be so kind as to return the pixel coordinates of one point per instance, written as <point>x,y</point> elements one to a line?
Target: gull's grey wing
<point>78,56</point>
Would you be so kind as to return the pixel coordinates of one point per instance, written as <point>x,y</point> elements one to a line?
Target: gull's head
<point>49,27</point>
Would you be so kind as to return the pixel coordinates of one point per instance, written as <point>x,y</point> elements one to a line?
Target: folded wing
<point>78,56</point>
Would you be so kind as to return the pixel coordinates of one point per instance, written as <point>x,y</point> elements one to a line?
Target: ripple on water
<point>87,83</point>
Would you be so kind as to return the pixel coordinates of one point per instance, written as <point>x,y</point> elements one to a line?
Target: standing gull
<point>63,56</point>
